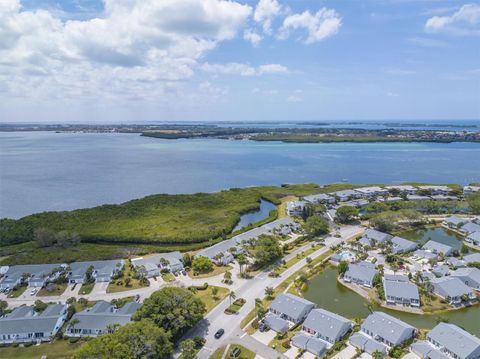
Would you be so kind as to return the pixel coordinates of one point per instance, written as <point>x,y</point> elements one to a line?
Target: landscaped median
<point>235,306</point>
<point>243,353</point>
<point>210,295</point>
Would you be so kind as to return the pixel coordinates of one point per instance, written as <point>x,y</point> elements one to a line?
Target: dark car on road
<point>219,333</point>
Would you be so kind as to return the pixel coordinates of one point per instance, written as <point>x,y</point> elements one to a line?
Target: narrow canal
<point>255,216</point>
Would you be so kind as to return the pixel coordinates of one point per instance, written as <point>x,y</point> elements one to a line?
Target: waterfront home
<point>102,271</point>
<point>469,276</point>
<point>361,273</point>
<point>438,248</point>
<point>434,190</point>
<point>100,319</point>
<point>472,258</point>
<point>399,290</point>
<point>287,309</point>
<point>150,266</point>
<point>295,208</point>
<point>469,227</point>
<point>468,190</point>
<point>474,238</point>
<point>372,237</point>
<point>320,198</point>
<point>347,194</point>
<point>402,245</point>
<point>447,341</point>
<point>35,275</point>
<point>442,197</point>
<point>453,290</point>
<point>454,222</point>
<point>221,253</point>
<point>381,332</point>
<point>24,325</point>
<point>371,192</point>
<point>320,331</point>
<point>403,189</point>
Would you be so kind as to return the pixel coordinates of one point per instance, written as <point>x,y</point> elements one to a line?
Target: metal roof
<point>291,305</point>
<point>387,327</point>
<point>328,324</point>
<point>455,339</point>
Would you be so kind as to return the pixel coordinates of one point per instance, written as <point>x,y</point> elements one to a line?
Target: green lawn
<point>119,285</point>
<point>216,271</point>
<point>234,307</point>
<point>60,349</point>
<point>17,292</point>
<point>86,288</point>
<point>206,296</point>
<point>57,290</point>
<point>168,277</point>
<point>244,352</point>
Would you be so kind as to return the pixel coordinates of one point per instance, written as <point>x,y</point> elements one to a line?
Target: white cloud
<point>294,98</point>
<point>235,68</point>
<point>465,21</point>
<point>137,49</point>
<point>252,36</point>
<point>321,25</point>
<point>265,12</point>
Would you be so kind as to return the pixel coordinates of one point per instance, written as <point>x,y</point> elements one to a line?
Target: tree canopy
<point>137,340</point>
<point>316,226</point>
<point>174,309</point>
<point>267,250</point>
<point>202,265</point>
<point>346,214</point>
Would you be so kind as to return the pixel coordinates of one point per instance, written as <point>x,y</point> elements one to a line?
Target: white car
<point>33,291</point>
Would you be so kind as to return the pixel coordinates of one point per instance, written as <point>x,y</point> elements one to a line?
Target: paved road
<point>249,290</point>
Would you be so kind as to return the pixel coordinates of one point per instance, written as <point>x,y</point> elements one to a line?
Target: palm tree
<point>269,292</point>
<point>73,323</point>
<point>231,296</point>
<point>242,260</point>
<point>377,355</point>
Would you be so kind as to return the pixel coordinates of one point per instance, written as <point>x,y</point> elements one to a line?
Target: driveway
<point>292,352</point>
<point>264,337</point>
<point>349,352</point>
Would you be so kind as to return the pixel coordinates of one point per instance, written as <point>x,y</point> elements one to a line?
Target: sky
<point>137,61</point>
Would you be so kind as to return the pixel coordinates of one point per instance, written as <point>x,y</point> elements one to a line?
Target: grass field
<point>120,284</point>
<point>57,290</point>
<point>17,292</point>
<point>86,288</point>
<point>60,349</point>
<point>207,297</point>
<point>216,271</point>
<point>244,352</point>
<point>168,277</point>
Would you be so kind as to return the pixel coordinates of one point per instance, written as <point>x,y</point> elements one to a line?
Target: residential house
<point>403,189</point>
<point>399,290</point>
<point>150,266</point>
<point>435,190</point>
<point>468,190</point>
<point>320,198</point>
<point>100,318</point>
<point>453,290</point>
<point>415,197</point>
<point>102,271</point>
<point>361,273</point>
<point>36,275</point>
<point>448,341</point>
<point>402,245</point>
<point>441,270</point>
<point>347,195</point>
<point>455,262</point>
<point>24,325</point>
<point>295,208</point>
<point>421,254</point>
<point>469,227</point>
<point>474,238</point>
<point>454,222</point>
<point>380,332</point>
<point>320,331</point>
<point>442,197</point>
<point>372,237</point>
<point>370,192</point>
<point>471,258</point>
<point>438,248</point>
<point>289,308</point>
<point>469,276</point>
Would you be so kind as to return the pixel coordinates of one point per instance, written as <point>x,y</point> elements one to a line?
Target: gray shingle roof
<point>328,324</point>
<point>276,323</point>
<point>24,320</point>
<point>376,236</point>
<point>455,339</point>
<point>103,314</point>
<point>424,350</point>
<point>361,341</point>
<point>400,245</point>
<point>471,227</point>
<point>291,305</point>
<point>472,258</point>
<point>388,327</point>
<point>454,220</point>
<point>360,272</point>
<point>451,287</point>
<point>401,290</point>
<point>470,276</point>
<point>437,247</point>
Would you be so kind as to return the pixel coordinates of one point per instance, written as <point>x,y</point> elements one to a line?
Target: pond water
<point>437,234</point>
<point>327,293</point>
<point>255,216</point>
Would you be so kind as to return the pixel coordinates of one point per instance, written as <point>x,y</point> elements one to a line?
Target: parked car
<point>137,297</point>
<point>235,352</point>
<point>219,333</point>
<point>33,291</point>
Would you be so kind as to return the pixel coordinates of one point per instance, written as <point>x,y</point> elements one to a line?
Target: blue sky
<point>141,61</point>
